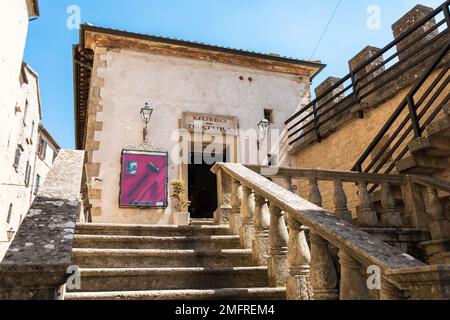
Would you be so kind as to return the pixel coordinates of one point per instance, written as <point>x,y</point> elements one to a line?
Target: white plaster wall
<point>44,165</point>
<point>12,182</point>
<point>13,32</point>
<point>173,85</point>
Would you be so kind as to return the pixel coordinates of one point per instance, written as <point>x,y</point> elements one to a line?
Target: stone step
<point>439,127</point>
<point>150,230</point>
<point>434,146</point>
<point>127,258</point>
<point>149,242</point>
<point>426,165</point>
<point>202,222</point>
<point>172,278</point>
<point>212,294</point>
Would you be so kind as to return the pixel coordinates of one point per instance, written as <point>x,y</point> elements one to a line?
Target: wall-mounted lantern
<point>263,127</point>
<point>146,114</point>
<point>10,234</point>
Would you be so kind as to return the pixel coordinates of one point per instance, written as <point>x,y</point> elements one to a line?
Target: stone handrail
<point>327,175</point>
<point>259,212</point>
<point>367,217</point>
<point>35,265</point>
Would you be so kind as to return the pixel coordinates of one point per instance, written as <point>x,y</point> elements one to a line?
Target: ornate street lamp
<point>146,114</point>
<point>263,127</point>
<point>10,234</point>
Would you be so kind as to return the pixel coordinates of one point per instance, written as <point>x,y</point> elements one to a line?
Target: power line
<point>326,28</point>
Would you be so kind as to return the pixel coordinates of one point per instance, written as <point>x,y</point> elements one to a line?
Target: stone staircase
<point>200,261</point>
<point>429,154</point>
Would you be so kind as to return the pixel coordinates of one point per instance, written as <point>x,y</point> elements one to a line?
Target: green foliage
<point>179,192</point>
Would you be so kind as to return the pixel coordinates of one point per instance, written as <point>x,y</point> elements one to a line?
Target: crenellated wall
<point>347,136</point>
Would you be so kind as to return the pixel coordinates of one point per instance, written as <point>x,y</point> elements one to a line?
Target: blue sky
<point>287,27</point>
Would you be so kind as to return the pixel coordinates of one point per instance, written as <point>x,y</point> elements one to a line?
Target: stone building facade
<point>21,114</point>
<point>19,155</point>
<point>116,73</point>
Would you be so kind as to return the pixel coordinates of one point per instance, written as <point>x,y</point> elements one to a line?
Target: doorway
<point>202,186</point>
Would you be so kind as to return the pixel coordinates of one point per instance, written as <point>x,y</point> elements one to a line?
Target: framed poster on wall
<point>144,179</point>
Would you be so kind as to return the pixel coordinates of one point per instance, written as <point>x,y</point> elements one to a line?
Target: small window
<point>268,114</point>
<point>27,174</point>
<point>32,132</point>
<point>42,148</point>
<point>17,158</point>
<point>25,112</point>
<point>8,218</point>
<point>37,181</point>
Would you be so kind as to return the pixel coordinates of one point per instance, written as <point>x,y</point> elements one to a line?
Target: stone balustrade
<point>303,239</point>
<point>35,265</point>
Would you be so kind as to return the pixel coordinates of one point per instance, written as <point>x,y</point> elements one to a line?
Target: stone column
<point>235,217</point>
<point>278,240</point>
<point>405,23</point>
<point>323,272</point>
<point>366,74</point>
<point>389,291</point>
<point>390,217</point>
<point>298,286</point>
<point>247,230</point>
<point>367,216</point>
<point>438,250</point>
<point>262,222</point>
<point>340,202</point>
<point>333,98</point>
<point>353,285</point>
<point>223,212</point>
<point>314,192</point>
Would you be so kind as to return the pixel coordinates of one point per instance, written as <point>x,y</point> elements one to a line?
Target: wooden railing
<point>377,72</point>
<point>299,254</point>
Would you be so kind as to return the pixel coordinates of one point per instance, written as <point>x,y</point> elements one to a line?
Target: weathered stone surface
<point>212,294</point>
<point>363,246</point>
<point>35,264</point>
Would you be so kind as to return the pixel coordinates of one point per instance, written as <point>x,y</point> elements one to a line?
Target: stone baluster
<point>389,291</point>
<point>367,216</point>
<point>247,230</point>
<point>222,214</point>
<point>353,284</point>
<point>314,192</point>
<point>323,273</point>
<point>437,249</point>
<point>439,225</point>
<point>236,196</point>
<point>262,222</point>
<point>340,202</point>
<point>287,183</point>
<point>298,285</point>
<point>278,240</point>
<point>390,217</point>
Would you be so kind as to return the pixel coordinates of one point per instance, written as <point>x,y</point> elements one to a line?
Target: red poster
<point>143,181</point>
